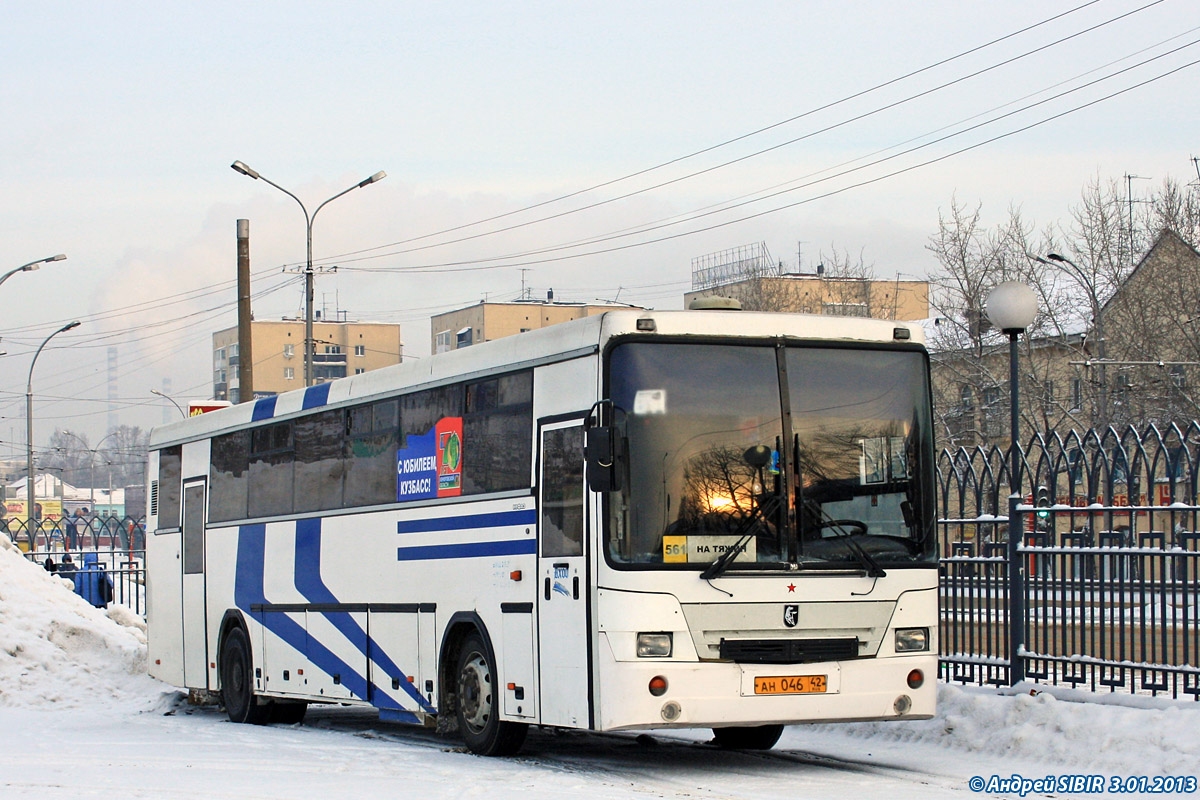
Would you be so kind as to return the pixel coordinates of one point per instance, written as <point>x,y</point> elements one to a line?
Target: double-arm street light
<point>1011,307</point>
<point>29,480</point>
<point>31,266</point>
<point>308,269</point>
<point>92,467</point>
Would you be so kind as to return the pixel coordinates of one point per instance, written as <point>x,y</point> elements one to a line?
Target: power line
<point>742,137</point>
<point>474,265</point>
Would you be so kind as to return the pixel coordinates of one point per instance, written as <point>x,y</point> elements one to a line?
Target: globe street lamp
<point>238,166</point>
<point>1011,307</point>
<point>29,478</point>
<point>31,266</point>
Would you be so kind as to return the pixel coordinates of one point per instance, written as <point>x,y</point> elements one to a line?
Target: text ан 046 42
<point>790,684</point>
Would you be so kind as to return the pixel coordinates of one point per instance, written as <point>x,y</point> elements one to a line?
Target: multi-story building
<point>485,321</point>
<point>340,349</point>
<point>820,293</point>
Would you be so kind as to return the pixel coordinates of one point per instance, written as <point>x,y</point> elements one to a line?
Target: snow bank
<point>57,650</point>
<point>1036,725</point>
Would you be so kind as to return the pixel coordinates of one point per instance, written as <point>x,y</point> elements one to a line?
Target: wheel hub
<point>475,693</point>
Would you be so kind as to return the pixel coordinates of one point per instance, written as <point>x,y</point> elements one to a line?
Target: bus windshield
<point>796,457</point>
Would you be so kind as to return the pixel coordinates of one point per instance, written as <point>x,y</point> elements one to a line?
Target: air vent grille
<point>788,651</point>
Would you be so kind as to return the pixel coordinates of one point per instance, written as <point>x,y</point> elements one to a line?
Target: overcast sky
<point>121,121</point>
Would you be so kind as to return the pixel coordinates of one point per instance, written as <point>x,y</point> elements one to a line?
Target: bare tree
<point>1119,282</point>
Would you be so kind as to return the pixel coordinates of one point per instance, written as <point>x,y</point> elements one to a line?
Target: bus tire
<point>237,682</point>
<point>762,737</point>
<point>478,707</point>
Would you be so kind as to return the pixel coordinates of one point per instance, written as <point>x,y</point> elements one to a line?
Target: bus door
<point>562,571</point>
<point>195,634</point>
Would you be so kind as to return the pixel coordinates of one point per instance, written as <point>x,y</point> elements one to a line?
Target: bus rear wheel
<point>478,704</point>
<point>762,737</point>
<point>237,681</point>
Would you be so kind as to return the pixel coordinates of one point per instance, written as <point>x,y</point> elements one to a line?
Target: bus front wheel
<point>762,737</point>
<point>237,682</point>
<point>478,704</point>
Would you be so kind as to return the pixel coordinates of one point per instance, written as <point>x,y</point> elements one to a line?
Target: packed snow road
<point>181,753</point>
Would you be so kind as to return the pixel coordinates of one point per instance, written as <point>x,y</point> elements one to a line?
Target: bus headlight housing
<point>653,645</point>
<point>912,640</point>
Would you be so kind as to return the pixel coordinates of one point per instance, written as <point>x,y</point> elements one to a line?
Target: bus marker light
<point>658,686</point>
<point>512,686</point>
<point>671,711</point>
<point>515,575</point>
<point>916,679</point>
<point>902,705</point>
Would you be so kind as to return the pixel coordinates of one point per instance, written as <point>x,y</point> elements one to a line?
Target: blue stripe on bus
<point>511,547</point>
<point>395,715</point>
<point>494,520</point>
<point>264,408</point>
<point>248,591</point>
<point>314,590</point>
<point>315,396</point>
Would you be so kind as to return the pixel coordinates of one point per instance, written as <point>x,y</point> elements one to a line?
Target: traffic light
<point>1043,508</point>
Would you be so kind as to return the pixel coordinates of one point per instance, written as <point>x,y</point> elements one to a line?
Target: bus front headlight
<point>653,645</point>
<point>912,640</point>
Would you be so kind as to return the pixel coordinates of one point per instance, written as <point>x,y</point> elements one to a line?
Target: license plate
<point>790,684</point>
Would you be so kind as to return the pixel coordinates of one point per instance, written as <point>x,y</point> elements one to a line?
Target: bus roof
<point>554,343</point>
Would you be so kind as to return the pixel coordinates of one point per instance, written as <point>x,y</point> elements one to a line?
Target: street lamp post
<point>1011,307</point>
<point>31,266</point>
<point>1097,325</point>
<point>178,407</point>
<point>29,478</point>
<point>238,166</point>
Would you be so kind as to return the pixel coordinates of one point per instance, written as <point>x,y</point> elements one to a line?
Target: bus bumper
<point>718,694</point>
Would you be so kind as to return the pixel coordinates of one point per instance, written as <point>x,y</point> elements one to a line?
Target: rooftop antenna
<point>524,291</point>
<point>1196,164</point>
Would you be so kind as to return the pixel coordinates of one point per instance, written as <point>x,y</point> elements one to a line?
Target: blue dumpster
<point>92,582</point>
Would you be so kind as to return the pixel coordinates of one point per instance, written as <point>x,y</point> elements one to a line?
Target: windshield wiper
<point>722,562</point>
<point>835,525</point>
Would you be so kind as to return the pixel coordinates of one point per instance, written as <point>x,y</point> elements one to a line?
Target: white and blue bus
<point>641,519</point>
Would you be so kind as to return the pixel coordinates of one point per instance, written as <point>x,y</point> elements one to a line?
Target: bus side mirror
<point>602,455</point>
<point>602,448</point>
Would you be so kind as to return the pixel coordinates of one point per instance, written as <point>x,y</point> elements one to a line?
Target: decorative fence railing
<point>107,555</point>
<point>1107,570</point>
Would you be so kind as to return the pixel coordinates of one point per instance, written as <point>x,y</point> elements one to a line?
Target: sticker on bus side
<point>431,465</point>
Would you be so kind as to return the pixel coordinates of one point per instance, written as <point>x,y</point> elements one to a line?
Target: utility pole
<point>245,355</point>
<point>1129,179</point>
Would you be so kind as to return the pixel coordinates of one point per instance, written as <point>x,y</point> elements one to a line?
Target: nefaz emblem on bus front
<point>791,615</point>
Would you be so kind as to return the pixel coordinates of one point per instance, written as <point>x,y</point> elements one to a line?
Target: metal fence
<point>107,555</point>
<point>1105,574</point>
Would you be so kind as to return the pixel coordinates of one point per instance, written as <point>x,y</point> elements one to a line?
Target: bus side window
<point>170,486</point>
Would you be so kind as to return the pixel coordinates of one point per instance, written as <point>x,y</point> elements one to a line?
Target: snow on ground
<point>57,650</point>
<point>79,718</point>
